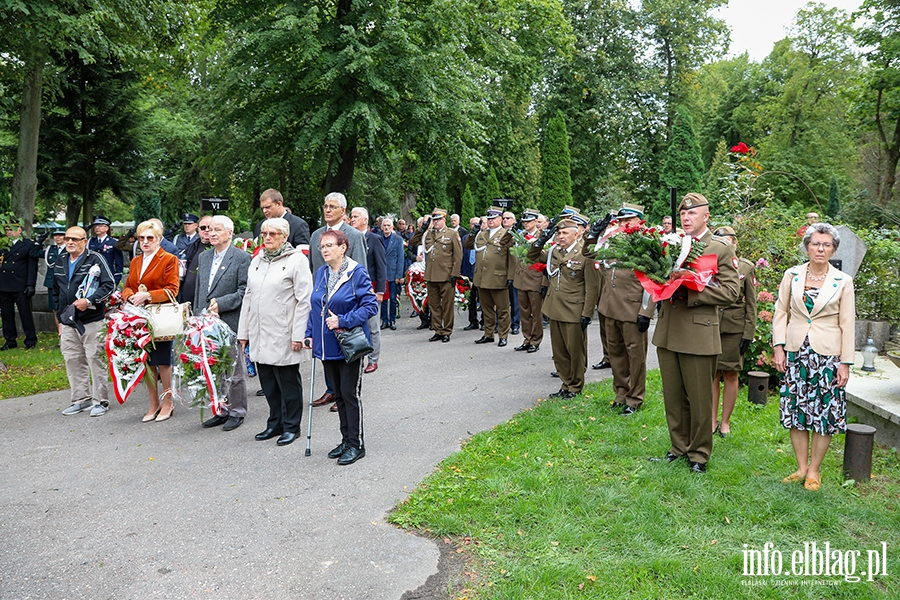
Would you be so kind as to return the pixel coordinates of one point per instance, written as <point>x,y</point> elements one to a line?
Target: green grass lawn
<point>33,371</point>
<point>561,502</point>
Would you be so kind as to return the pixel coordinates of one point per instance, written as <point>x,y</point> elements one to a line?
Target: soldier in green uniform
<point>569,304</point>
<point>443,258</point>
<point>626,310</point>
<point>688,344</point>
<point>737,326</point>
<point>529,282</point>
<point>494,272</point>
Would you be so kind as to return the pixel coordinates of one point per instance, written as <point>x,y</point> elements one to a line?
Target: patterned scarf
<point>334,277</point>
<point>275,253</point>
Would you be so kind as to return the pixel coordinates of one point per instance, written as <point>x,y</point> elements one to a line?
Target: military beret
<point>566,224</point>
<point>100,220</point>
<point>692,200</point>
<point>725,230</point>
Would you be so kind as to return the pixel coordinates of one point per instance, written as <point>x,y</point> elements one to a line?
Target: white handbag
<point>166,319</point>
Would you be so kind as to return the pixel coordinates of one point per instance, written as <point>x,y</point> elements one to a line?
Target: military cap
<point>189,218</point>
<point>692,200</point>
<point>580,219</point>
<point>100,220</point>
<point>530,215</point>
<point>568,210</point>
<point>439,213</point>
<point>494,211</point>
<point>630,210</point>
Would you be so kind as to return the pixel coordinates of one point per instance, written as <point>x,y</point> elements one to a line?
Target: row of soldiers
<point>566,284</point>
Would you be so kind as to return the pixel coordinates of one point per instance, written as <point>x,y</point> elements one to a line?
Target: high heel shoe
<point>161,417</point>
<point>150,416</point>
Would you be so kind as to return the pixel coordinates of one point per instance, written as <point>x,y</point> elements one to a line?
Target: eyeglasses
<point>146,238</point>
<point>823,245</point>
<point>204,227</point>
<point>331,207</point>
<point>74,239</point>
<point>270,233</point>
<point>327,246</point>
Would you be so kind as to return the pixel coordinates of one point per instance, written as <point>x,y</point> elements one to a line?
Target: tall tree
<point>468,207</point>
<point>834,199</point>
<point>683,168</point>
<point>491,191</point>
<point>556,170</point>
<point>879,96</point>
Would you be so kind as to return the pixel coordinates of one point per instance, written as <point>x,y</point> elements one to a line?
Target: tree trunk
<point>24,183</point>
<point>73,208</point>
<point>343,178</point>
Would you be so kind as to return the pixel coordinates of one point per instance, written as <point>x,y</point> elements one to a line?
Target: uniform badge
<point>734,261</point>
<point>596,266</point>
<point>754,281</point>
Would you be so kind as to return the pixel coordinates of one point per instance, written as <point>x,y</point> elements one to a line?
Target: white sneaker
<point>99,410</point>
<point>77,407</point>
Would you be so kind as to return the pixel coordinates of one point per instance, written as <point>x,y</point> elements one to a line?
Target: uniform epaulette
<point>744,260</point>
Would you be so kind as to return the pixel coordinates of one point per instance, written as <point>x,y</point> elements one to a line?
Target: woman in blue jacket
<point>342,298</point>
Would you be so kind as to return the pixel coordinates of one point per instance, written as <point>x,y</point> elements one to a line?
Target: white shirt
<point>145,262</point>
<point>216,263</point>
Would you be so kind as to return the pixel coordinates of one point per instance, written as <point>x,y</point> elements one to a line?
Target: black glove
<point>543,291</point>
<point>425,224</point>
<point>546,234</point>
<point>453,280</point>
<point>42,238</point>
<point>643,323</point>
<point>509,283</point>
<point>745,343</point>
<point>600,226</point>
<point>585,321</point>
<point>29,291</point>
<point>476,227</point>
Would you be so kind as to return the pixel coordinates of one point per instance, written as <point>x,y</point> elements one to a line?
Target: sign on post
<point>214,204</point>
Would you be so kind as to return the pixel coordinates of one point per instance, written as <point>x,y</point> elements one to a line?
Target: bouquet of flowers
<point>416,288</point>
<point>207,359</point>
<point>461,295</point>
<point>127,337</point>
<point>247,245</point>
<point>520,248</point>
<point>661,262</point>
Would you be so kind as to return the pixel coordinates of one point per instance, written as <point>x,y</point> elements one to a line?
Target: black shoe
<point>669,457</point>
<point>558,394</point>
<point>484,340</point>
<point>445,338</point>
<point>601,365</point>
<point>286,438</point>
<point>260,392</point>
<point>338,450</point>
<point>423,326</point>
<point>8,346</point>
<point>554,374</point>
<point>569,395</point>
<point>30,346</point>
<point>215,421</point>
<point>532,348</point>
<point>233,423</point>
<point>629,410</point>
<point>522,347</point>
<point>268,434</point>
<point>351,455</point>
<point>481,326</point>
<point>515,330</point>
<point>697,467</point>
<point>393,326</point>
<point>470,327</point>
<point>436,337</point>
<point>502,342</point>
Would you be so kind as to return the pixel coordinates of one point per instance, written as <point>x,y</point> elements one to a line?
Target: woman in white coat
<point>273,320</point>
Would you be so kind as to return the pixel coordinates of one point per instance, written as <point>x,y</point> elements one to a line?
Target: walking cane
<point>312,386</point>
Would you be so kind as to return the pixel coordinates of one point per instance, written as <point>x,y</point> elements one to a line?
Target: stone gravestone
<point>851,252</point>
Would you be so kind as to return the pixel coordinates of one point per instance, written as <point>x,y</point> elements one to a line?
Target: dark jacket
<point>228,284</point>
<point>299,237</point>
<point>64,290</point>
<point>109,251</point>
<point>393,256</point>
<point>353,301</point>
<point>375,260</point>
<point>19,267</point>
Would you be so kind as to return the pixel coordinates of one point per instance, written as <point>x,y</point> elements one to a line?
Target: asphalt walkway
<point>110,507</point>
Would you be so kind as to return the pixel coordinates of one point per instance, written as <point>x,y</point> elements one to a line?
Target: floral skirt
<point>810,398</point>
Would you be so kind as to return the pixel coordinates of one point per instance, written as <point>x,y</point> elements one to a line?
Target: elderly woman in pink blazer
<point>813,339</point>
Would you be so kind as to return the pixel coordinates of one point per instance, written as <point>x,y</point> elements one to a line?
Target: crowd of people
<point>517,274</point>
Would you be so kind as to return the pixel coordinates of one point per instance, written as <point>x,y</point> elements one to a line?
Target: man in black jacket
<point>272,204</point>
<point>18,276</point>
<point>377,267</point>
<point>82,283</point>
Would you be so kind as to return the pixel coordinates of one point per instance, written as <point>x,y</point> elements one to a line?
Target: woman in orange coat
<point>151,273</point>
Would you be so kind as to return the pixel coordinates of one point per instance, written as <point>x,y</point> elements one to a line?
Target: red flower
<point>184,357</point>
<point>741,148</point>
<point>538,266</point>
<point>212,360</point>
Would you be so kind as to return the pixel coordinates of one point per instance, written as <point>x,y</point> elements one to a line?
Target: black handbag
<point>353,342</point>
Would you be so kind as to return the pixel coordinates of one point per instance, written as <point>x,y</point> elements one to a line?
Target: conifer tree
<point>491,191</point>
<point>715,179</point>
<point>556,169</point>
<point>468,207</point>
<point>683,168</point>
